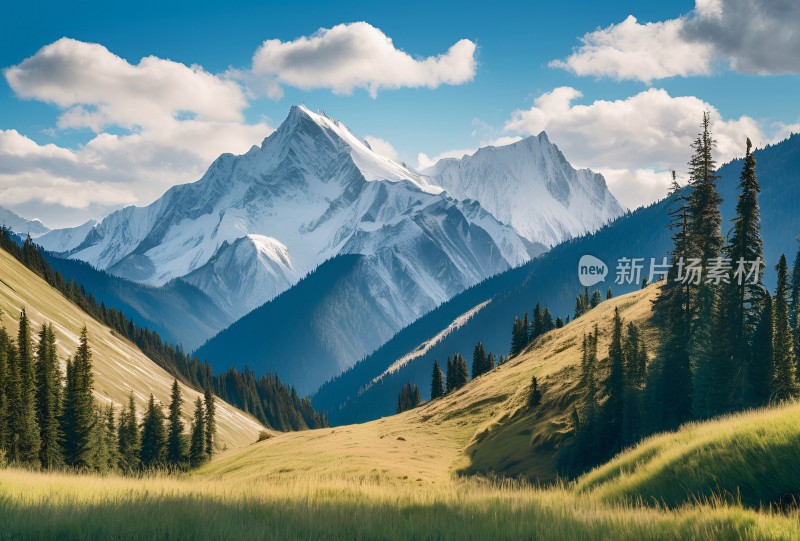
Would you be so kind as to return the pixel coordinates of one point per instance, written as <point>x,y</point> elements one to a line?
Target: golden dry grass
<point>119,366</point>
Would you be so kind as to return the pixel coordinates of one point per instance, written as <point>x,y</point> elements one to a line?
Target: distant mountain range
<point>21,226</point>
<point>369,389</point>
<point>256,224</point>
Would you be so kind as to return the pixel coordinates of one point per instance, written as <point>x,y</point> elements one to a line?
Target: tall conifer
<point>48,399</point>
<point>437,381</point>
<point>784,378</point>
<point>175,447</point>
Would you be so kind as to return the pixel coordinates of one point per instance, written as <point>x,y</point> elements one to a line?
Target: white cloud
<point>636,139</point>
<point>351,56</point>
<point>644,52</point>
<point>171,122</point>
<point>382,147</point>
<point>424,161</point>
<point>749,36</point>
<point>97,88</point>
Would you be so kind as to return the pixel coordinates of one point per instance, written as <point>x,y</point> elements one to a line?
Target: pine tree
<point>129,438</point>
<point>784,378</point>
<point>409,398</point>
<point>706,243</point>
<point>537,325</point>
<point>759,370</point>
<point>490,362</point>
<point>154,437</point>
<point>535,395</point>
<point>48,399</point>
<point>739,310</point>
<point>197,446</point>
<point>559,323</point>
<point>25,439</point>
<point>578,307</point>
<point>795,304</point>
<point>597,298</point>
<point>609,295</point>
<point>614,406</point>
<point>460,371</point>
<point>5,379</point>
<point>635,353</point>
<point>547,321</point>
<point>110,438</point>
<point>669,381</point>
<point>79,415</point>
<point>210,421</point>
<point>451,375</point>
<point>437,381</point>
<point>479,361</point>
<point>175,447</point>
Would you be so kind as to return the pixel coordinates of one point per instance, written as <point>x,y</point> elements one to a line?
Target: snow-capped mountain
<point>256,223</point>
<point>530,185</point>
<point>20,225</point>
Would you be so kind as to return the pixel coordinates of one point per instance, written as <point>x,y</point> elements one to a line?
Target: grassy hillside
<point>119,366</point>
<point>751,457</point>
<point>405,476</point>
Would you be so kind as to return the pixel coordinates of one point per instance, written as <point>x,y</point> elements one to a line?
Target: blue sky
<point>516,43</point>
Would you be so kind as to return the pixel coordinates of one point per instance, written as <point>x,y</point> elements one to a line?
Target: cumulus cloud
<point>171,121</point>
<point>382,147</point>
<point>97,88</point>
<point>636,140</point>
<point>351,56</point>
<point>749,36</point>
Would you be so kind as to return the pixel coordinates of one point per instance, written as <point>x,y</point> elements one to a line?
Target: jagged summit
<point>530,185</point>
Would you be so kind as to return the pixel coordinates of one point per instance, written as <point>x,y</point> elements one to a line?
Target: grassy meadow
<point>443,471</point>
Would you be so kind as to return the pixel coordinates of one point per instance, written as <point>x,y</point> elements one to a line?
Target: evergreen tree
<point>154,437</point>
<point>129,438</point>
<point>706,243</point>
<point>669,380</point>
<point>547,321</point>
<point>110,438</point>
<point>614,406</point>
<point>25,438</point>
<point>5,381</point>
<point>210,421</point>
<point>759,370</point>
<point>79,415</point>
<point>597,298</point>
<point>794,308</point>
<point>48,399</point>
<point>535,395</point>
<point>537,325</point>
<point>585,299</point>
<point>197,446</point>
<point>460,371</point>
<point>479,361</point>
<point>784,378</point>
<point>578,307</point>
<point>490,362</point>
<point>175,447</point>
<point>609,295</point>
<point>635,353</point>
<point>451,375</point>
<point>739,310</point>
<point>437,381</point>
<point>559,323</point>
<point>409,398</point>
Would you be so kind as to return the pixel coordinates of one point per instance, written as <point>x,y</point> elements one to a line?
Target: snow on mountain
<point>530,185</point>
<point>20,225</point>
<point>63,240</point>
<point>255,223</point>
<point>253,263</point>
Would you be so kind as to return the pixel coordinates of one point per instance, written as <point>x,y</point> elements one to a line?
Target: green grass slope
<point>752,457</point>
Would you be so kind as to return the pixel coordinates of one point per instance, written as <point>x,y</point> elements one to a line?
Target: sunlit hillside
<point>484,427</point>
<point>407,476</point>
<point>119,366</point>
